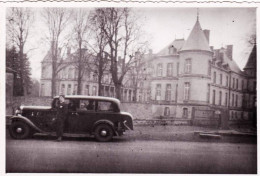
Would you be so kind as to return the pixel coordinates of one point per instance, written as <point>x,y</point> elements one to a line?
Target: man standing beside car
<point>62,112</point>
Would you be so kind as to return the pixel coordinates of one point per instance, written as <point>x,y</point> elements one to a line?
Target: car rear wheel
<point>19,130</point>
<point>103,133</point>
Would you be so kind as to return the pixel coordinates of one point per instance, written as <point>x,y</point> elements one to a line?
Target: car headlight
<point>18,112</point>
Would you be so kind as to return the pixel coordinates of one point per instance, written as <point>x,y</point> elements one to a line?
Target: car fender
<point>104,122</point>
<point>27,121</point>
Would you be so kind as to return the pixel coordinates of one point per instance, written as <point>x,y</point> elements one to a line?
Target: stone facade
<point>67,80</point>
<point>188,74</point>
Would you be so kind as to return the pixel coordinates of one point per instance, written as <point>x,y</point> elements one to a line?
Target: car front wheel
<point>19,130</point>
<point>103,133</point>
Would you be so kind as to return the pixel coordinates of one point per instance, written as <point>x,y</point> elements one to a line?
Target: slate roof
<point>251,62</point>
<point>222,56</point>
<point>197,39</point>
<point>177,43</point>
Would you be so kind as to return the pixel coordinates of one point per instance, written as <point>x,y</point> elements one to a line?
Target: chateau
<point>183,75</point>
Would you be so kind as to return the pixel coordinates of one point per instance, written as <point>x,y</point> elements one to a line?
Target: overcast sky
<point>227,26</point>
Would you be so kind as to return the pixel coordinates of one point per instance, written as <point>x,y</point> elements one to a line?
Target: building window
<point>64,74</point>
<point>70,76</point>
<point>220,79</point>
<point>166,111</point>
<point>214,77</point>
<point>227,81</point>
<point>226,99</point>
<point>233,100</point>
<point>69,89</point>
<point>158,92</point>
<point>233,83</point>
<point>42,90</point>
<point>129,95</point>
<point>178,66</point>
<point>176,93</point>
<point>242,86</point>
<point>220,98</point>
<point>209,68</point>
<point>213,97</point>
<point>159,69</point>
<point>76,74</point>
<point>187,66</point>
<point>208,93</point>
<point>237,84</point>
<point>168,92</point>
<point>186,91</point>
<point>236,100</point>
<point>62,89</point>
<point>94,90</point>
<point>169,69</point>
<point>75,89</point>
<point>185,113</point>
<point>86,91</point>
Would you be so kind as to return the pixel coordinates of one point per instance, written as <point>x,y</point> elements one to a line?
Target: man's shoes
<point>59,139</point>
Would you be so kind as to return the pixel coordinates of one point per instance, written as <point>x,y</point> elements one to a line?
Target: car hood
<point>35,107</point>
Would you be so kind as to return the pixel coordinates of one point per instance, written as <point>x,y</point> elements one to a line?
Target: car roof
<point>91,97</point>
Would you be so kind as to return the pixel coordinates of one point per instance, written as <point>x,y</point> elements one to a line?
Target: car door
<point>81,120</point>
<point>72,119</point>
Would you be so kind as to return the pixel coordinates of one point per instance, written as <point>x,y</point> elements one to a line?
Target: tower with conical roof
<point>194,59</point>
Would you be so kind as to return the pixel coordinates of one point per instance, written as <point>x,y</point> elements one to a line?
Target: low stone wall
<point>138,110</point>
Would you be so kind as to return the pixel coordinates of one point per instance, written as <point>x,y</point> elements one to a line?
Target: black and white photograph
<point>130,89</point>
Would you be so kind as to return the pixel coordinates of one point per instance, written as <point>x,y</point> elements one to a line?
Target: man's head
<point>62,98</point>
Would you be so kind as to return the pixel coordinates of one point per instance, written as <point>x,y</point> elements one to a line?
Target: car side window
<point>87,105</point>
<point>106,106</point>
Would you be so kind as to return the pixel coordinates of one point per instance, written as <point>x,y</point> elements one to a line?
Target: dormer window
<point>171,49</point>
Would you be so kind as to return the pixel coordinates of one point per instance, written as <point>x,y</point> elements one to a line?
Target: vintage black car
<point>103,119</point>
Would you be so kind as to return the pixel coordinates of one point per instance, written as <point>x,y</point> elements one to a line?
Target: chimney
<point>206,33</point>
<point>229,51</point>
<point>212,48</point>
<point>150,51</point>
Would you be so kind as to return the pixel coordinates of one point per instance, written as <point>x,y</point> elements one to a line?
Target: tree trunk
<point>135,94</point>
<point>79,69</point>
<point>79,80</point>
<point>79,85</point>
<point>53,80</point>
<point>22,65</point>
<point>118,91</point>
<point>99,85</point>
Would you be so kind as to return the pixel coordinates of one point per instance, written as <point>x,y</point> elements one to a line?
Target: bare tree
<point>56,20</point>
<point>138,73</point>
<point>19,22</point>
<point>80,33</point>
<point>122,32</point>
<point>98,47</point>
